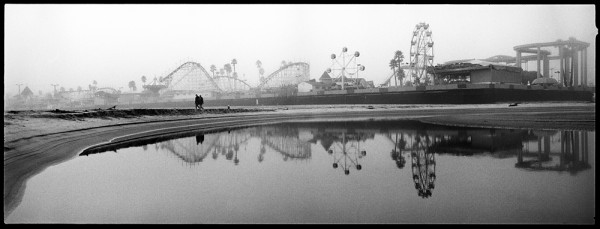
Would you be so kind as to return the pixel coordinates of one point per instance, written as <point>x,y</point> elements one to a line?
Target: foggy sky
<point>73,45</point>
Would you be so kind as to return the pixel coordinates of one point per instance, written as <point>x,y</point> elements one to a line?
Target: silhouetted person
<point>199,138</point>
<point>199,101</point>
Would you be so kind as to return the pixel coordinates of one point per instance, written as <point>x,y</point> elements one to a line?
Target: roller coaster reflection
<point>282,140</point>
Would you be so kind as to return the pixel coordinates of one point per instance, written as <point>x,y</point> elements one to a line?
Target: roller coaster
<point>289,74</point>
<point>191,77</point>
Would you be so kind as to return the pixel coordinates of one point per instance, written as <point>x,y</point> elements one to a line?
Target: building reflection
<point>571,155</point>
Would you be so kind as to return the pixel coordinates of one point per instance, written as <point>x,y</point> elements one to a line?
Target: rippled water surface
<point>326,172</point>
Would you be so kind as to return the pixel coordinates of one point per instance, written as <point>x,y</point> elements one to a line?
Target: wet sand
<point>35,140</point>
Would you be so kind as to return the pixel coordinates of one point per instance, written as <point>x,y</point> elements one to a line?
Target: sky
<point>73,45</point>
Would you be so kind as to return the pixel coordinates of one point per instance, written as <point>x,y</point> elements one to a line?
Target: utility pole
<point>19,85</point>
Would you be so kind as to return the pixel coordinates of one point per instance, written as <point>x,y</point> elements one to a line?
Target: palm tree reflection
<point>399,146</point>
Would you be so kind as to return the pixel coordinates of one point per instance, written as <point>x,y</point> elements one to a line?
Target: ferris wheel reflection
<point>347,152</point>
<point>423,165</point>
<point>419,146</point>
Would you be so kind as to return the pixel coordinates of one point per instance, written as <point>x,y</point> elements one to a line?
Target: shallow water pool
<point>328,171</point>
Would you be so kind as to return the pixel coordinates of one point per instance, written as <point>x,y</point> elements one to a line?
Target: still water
<point>326,172</point>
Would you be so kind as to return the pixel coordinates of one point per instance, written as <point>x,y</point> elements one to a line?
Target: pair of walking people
<point>199,101</point>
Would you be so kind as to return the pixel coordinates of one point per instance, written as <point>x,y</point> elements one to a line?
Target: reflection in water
<point>195,150</point>
<point>199,139</point>
<point>345,144</point>
<point>284,139</point>
<point>346,151</point>
<point>568,148</point>
<point>572,155</point>
<point>399,146</point>
<point>423,165</point>
<point>552,150</point>
<point>342,141</point>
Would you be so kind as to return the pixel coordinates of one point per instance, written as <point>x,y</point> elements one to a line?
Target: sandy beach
<point>35,140</point>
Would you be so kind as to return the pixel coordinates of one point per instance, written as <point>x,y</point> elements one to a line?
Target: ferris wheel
<point>346,69</point>
<point>421,53</point>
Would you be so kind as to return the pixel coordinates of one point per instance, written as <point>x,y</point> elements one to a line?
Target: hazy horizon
<point>74,44</point>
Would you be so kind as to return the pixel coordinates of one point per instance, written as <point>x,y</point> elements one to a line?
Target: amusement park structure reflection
<point>344,142</point>
<point>283,140</point>
<point>572,156</point>
<point>347,151</point>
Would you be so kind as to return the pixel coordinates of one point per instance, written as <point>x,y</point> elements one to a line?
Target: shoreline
<point>26,124</point>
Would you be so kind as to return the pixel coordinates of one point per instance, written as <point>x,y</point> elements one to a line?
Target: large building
<point>476,72</point>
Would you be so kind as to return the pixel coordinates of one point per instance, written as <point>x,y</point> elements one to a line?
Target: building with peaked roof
<point>325,78</point>
<point>26,93</point>
<point>312,85</point>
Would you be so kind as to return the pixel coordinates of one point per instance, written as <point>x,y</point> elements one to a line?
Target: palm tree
<point>259,66</point>
<point>213,68</point>
<point>222,71</point>
<point>399,57</point>
<point>393,64</point>
<point>258,63</point>
<point>132,85</point>
<point>144,79</point>
<point>233,62</point>
<point>227,68</point>
<point>400,75</point>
